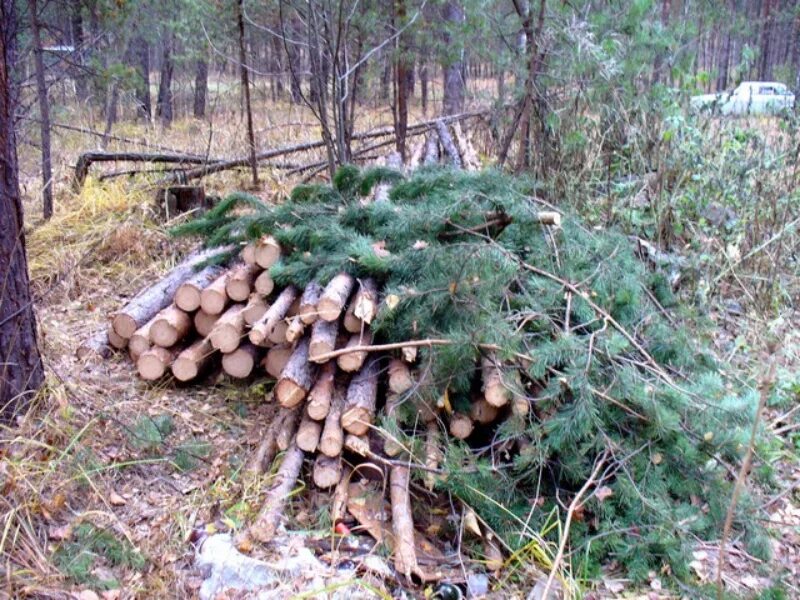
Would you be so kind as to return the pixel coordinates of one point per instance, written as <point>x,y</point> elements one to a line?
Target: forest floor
<point>102,451</point>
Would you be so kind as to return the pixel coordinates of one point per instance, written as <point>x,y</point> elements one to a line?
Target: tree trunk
<point>764,64</point>
<point>200,87</point>
<point>140,51</point>
<point>402,69</point>
<point>725,55</point>
<point>21,371</point>
<point>164,102</point>
<point>251,138</point>
<point>453,69</point>
<point>44,113</point>
<point>658,63</point>
<point>81,83</point>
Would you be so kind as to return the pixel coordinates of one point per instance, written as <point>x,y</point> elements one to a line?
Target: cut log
<point>520,405</point>
<point>353,361</point>
<point>405,556</point>
<point>276,359</point>
<point>193,360</point>
<point>295,329</point>
<point>482,412</point>
<point>170,326</point>
<point>334,297</point>
<point>460,426</point>
<point>248,254</point>
<point>262,458</point>
<point>323,339</point>
<point>288,429</point>
<point>448,145</point>
<point>259,334</point>
<point>359,411</point>
<point>214,298</point>
<point>97,345</point>
<point>364,306</point>
<point>266,525</point>
<point>228,330</point>
<point>157,297</point>
<point>400,379</point>
<point>308,302</point>
<point>332,438</point>
<point>255,309</point>
<point>391,445</point>
<point>268,251</point>
<point>140,340</point>
<point>154,363</point>
<point>239,283</point>
<point>494,389</point>
<point>357,444</point>
<point>240,362</point>
<point>296,378</point>
<point>187,296</point>
<point>433,453</point>
<point>264,283</point>
<point>278,333</point>
<point>341,496</point>
<point>327,471</point>
<point>204,322</point>
<point>308,433</point>
<point>115,340</point>
<point>319,398</point>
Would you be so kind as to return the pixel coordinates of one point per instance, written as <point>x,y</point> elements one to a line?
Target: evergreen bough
<point>463,257</point>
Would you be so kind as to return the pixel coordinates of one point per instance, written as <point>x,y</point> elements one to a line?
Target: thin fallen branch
<point>86,160</point>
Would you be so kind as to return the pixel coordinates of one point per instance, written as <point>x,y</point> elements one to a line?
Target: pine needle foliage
<point>462,256</point>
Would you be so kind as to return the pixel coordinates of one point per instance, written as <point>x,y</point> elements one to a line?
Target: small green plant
<point>188,454</point>
<point>148,433</point>
<point>91,547</point>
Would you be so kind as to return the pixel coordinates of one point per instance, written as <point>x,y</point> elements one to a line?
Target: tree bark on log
<point>204,322</point>
<point>334,297</point>
<point>240,363</point>
<point>214,299</point>
<point>97,345</point>
<point>193,360</point>
<point>264,326</point>
<point>239,283</point>
<point>169,326</point>
<point>288,429</point>
<point>296,378</point>
<point>116,341</point>
<point>255,309</point>
<point>319,398</point>
<point>266,525</point>
<point>323,339</point>
<point>275,360</point>
<point>332,438</point>
<point>405,556</point>
<point>327,471</point>
<point>228,330</point>
<point>265,453</point>
<point>359,411</point>
<point>308,433</point>
<point>187,296</point>
<point>340,496</point>
<point>295,329</point>
<point>267,252</point>
<point>308,302</point>
<point>145,305</point>
<point>154,363</point>
<point>353,361</point>
<point>433,452</point>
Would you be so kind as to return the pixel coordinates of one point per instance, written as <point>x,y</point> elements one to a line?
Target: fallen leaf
<point>392,300</point>
<point>603,493</point>
<point>420,245</point>
<point>58,534</point>
<point>471,522</point>
<point>116,500</point>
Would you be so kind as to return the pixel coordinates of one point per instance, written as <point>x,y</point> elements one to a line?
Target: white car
<point>749,98</point>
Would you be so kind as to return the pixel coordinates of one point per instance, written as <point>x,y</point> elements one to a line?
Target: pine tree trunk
<point>21,371</point>
<point>200,88</point>
<point>164,101</point>
<point>454,69</point>
<point>764,64</point>
<point>44,112</point>
<point>140,51</point>
<point>81,82</point>
<point>245,76</point>
<point>401,79</point>
<point>725,56</point>
<point>423,82</point>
